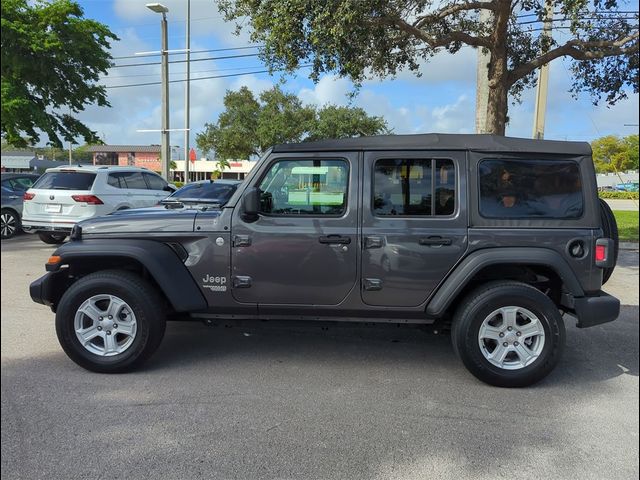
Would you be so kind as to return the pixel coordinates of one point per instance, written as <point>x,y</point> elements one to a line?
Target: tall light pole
<point>186,95</point>
<point>540,110</point>
<point>165,155</point>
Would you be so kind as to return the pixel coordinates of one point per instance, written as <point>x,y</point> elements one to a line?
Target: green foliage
<point>627,225</point>
<point>618,195</point>
<point>344,122</point>
<point>52,59</point>
<point>221,165</point>
<point>378,38</point>
<point>615,154</point>
<point>178,184</point>
<point>173,165</point>
<point>249,126</point>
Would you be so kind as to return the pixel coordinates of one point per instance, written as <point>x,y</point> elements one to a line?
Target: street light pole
<point>165,155</point>
<point>186,95</point>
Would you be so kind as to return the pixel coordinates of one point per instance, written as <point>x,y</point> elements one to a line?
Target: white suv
<point>64,196</point>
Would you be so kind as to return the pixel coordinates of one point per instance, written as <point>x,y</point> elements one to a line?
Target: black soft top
<point>440,141</point>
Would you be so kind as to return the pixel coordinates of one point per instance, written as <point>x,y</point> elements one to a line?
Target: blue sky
<point>442,100</point>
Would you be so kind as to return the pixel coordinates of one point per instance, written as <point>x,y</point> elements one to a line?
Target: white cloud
<point>205,19</point>
<point>253,83</point>
<point>330,89</point>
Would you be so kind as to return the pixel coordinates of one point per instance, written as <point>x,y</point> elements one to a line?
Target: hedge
<point>619,195</point>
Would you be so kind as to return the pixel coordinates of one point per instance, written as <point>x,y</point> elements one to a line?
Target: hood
<point>143,220</point>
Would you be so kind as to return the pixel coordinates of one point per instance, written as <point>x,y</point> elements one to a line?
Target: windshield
<point>65,181</point>
<point>208,192</point>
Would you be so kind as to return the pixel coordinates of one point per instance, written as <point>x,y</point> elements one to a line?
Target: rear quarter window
<point>530,189</point>
<point>65,181</point>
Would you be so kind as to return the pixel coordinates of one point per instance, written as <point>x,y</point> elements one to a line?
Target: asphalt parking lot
<point>256,402</point>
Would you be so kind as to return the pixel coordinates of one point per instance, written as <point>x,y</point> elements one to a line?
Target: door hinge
<point>240,281</point>
<point>372,284</point>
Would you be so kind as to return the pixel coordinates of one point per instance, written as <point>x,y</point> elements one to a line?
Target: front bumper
<point>594,309</point>
<point>48,289</point>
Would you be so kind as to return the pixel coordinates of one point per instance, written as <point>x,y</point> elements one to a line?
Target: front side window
<point>134,180</point>
<point>155,182</point>
<point>305,187</point>
<point>414,187</point>
<point>530,189</point>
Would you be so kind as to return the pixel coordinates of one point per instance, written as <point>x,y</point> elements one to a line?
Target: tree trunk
<point>497,107</point>
<point>497,104</point>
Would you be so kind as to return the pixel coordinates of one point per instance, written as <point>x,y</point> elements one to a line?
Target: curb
<point>628,246</point>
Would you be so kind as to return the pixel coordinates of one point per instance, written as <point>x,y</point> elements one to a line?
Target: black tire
<point>143,300</point>
<point>610,230</point>
<point>479,304</point>
<point>52,238</point>
<point>10,223</point>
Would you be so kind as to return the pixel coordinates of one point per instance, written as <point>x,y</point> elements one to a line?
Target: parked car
<point>208,191</point>
<point>13,187</point>
<point>499,240</point>
<point>627,187</point>
<point>63,196</point>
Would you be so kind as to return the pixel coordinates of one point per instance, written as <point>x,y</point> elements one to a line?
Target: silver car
<point>14,185</point>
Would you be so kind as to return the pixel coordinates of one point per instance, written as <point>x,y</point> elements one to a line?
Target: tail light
<point>28,196</point>
<point>90,199</point>
<point>604,253</point>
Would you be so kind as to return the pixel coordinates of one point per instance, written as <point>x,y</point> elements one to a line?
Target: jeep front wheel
<point>110,321</point>
<point>508,334</point>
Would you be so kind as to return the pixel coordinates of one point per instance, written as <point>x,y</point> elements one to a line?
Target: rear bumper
<point>30,226</point>
<point>595,309</point>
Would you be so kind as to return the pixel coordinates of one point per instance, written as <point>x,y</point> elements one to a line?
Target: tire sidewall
<point>65,329</point>
<point>550,318</point>
<point>16,219</point>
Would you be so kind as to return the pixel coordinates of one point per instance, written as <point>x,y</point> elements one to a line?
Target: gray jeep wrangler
<point>498,238</point>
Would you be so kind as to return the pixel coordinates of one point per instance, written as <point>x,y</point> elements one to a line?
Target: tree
<point>378,38</point>
<point>340,122</point>
<point>52,59</point>
<point>248,127</point>
<point>615,154</point>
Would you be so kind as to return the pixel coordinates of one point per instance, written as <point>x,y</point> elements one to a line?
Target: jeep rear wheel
<point>508,334</point>
<point>110,321</point>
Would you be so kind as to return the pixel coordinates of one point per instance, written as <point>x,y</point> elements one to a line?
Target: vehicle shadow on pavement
<point>356,402</point>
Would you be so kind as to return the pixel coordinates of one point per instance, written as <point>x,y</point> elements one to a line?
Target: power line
<point>182,73</point>
<point>596,12</point>
<point>184,61</point>
<point>183,53</point>
<point>201,78</point>
<point>561,20</point>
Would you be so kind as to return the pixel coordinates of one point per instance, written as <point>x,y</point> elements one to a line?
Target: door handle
<point>435,241</point>
<point>335,239</point>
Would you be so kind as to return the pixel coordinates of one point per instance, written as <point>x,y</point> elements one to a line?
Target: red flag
<point>192,155</point>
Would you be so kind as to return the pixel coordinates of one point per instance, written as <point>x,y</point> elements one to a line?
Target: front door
<point>414,224</point>
<point>303,247</point>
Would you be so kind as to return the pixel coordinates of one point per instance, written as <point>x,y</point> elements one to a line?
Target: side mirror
<point>251,201</point>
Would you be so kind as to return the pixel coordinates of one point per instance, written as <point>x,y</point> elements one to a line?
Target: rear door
<point>303,247</point>
<point>414,224</point>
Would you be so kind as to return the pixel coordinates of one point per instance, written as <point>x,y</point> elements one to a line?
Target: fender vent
<point>179,249</point>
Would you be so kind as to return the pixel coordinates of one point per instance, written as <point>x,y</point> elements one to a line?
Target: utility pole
<point>70,156</point>
<point>166,146</point>
<point>482,79</point>
<point>186,95</point>
<point>543,77</point>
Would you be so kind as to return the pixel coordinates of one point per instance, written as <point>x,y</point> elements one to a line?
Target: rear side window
<point>414,187</point>
<point>530,189</point>
<point>127,180</point>
<point>65,181</point>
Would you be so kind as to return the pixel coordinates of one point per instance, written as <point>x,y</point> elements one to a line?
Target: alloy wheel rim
<point>511,338</point>
<point>105,325</point>
<point>7,224</point>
